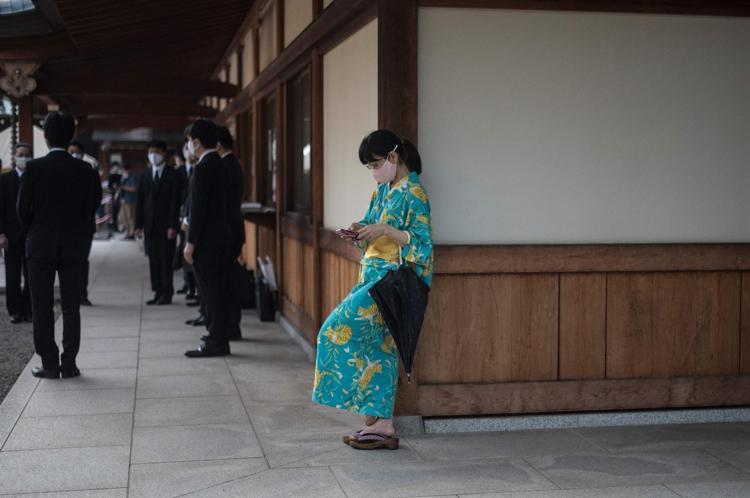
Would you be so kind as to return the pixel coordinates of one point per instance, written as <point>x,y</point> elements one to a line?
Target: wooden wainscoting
<point>575,328</point>
<point>524,329</point>
<point>299,287</point>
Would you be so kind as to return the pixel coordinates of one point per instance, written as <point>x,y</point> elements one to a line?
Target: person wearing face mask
<point>357,361</point>
<point>13,240</point>
<point>75,149</point>
<point>157,219</point>
<point>210,243</point>
<point>129,192</point>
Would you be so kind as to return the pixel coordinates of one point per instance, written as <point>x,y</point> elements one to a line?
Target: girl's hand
<point>372,232</point>
<point>355,227</point>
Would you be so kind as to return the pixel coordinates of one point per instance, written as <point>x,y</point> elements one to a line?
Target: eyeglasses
<point>377,165</point>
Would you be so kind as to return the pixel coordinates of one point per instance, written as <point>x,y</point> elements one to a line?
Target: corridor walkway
<point>146,421</point>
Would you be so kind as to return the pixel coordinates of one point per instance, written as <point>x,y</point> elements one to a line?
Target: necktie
<point>156,176</point>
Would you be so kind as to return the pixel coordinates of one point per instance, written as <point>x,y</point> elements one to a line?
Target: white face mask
<point>191,147</point>
<point>155,158</point>
<point>21,162</point>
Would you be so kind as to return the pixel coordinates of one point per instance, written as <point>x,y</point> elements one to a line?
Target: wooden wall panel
<point>745,325</point>
<point>583,395</point>
<point>630,299</point>
<point>338,275</point>
<point>673,324</point>
<point>493,328</point>
<point>293,274</point>
<point>267,244</point>
<point>582,326</point>
<point>250,249</point>
<point>308,288</point>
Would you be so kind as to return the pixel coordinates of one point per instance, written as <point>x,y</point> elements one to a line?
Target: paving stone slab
<point>617,492</point>
<point>301,419</point>
<point>94,493</point>
<point>435,478</point>
<point>160,367</point>
<point>76,431</point>
<point>82,402</point>
<point>280,483</point>
<point>63,469</point>
<point>275,393</point>
<point>506,444</point>
<point>189,411</point>
<point>597,470</point>
<point>174,479</point>
<point>194,442</point>
<point>736,489</point>
<point>185,386</point>
<point>107,360</point>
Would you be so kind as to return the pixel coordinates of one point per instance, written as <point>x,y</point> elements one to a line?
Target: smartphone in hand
<point>347,234</point>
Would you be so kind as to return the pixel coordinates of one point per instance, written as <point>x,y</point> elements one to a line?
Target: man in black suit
<point>75,149</point>
<point>157,218</point>
<point>56,203</point>
<point>236,182</point>
<point>210,246</point>
<point>13,240</point>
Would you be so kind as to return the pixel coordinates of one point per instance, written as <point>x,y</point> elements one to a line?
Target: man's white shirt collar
<point>18,172</point>
<point>226,154</point>
<point>157,169</point>
<point>53,149</point>
<point>207,151</point>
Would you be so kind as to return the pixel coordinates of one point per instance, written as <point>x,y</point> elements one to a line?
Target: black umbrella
<point>401,297</point>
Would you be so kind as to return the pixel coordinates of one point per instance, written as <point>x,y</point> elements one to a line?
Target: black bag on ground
<point>264,301</point>
<point>247,288</point>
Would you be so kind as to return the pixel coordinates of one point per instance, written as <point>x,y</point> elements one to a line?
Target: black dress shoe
<point>164,300</point>
<point>182,291</point>
<point>191,296</point>
<point>153,301</point>
<point>85,302</point>
<point>206,351</point>
<point>194,304</point>
<point>42,373</point>
<point>190,322</point>
<point>16,319</point>
<point>69,372</point>
<point>199,322</point>
<point>28,318</point>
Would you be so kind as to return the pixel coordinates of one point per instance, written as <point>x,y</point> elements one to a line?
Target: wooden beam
<point>131,122</point>
<point>316,181</point>
<point>591,258</point>
<point>679,7</point>
<point>578,396</point>
<point>26,120</point>
<point>279,6</point>
<point>123,87</point>
<point>140,108</point>
<point>37,47</point>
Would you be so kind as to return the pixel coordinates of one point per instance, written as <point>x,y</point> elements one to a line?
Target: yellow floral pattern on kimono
<point>357,363</point>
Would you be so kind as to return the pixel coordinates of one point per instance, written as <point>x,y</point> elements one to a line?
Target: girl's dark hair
<point>381,142</point>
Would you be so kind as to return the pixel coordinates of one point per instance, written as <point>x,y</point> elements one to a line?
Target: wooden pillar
<point>316,76</point>
<point>397,111</point>
<point>280,182</point>
<point>397,63</point>
<point>279,6</point>
<point>26,120</point>
<point>317,8</point>
<point>256,52</point>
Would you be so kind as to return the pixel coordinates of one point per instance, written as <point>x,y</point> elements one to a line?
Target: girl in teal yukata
<point>357,361</point>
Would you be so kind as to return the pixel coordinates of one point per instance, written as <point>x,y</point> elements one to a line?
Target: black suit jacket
<point>158,204</point>
<point>210,221</point>
<point>9,224</point>
<point>236,191</point>
<point>57,199</point>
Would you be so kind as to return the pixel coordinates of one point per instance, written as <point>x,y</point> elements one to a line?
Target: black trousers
<point>85,274</point>
<point>160,252</point>
<point>17,296</point>
<point>212,275</point>
<point>235,298</point>
<point>42,278</point>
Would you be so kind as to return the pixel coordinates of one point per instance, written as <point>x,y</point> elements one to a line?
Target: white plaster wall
<point>350,112</point>
<point>248,69</point>
<point>552,127</point>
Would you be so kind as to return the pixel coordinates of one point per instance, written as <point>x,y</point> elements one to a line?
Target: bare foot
<point>384,427</point>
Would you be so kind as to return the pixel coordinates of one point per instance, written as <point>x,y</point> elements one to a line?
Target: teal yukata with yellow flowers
<point>357,364</point>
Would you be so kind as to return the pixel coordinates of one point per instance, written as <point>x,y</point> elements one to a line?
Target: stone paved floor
<point>146,421</point>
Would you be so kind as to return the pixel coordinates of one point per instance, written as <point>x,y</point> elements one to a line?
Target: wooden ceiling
<point>138,59</point>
